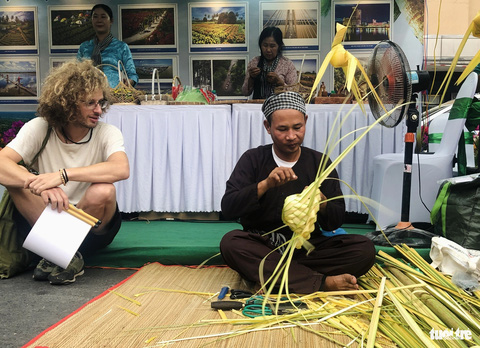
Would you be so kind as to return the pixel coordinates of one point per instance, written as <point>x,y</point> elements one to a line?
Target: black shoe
<point>43,270</point>
<point>61,276</point>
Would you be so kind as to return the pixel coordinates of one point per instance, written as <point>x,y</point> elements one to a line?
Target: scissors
<point>254,307</point>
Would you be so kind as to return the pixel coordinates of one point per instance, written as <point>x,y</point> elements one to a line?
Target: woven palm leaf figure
<point>339,57</point>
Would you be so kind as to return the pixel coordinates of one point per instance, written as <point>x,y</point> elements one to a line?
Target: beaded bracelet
<point>61,177</point>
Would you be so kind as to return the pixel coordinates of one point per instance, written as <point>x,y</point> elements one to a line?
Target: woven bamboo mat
<point>144,311</point>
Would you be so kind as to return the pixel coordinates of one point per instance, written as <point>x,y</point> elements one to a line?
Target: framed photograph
<point>368,23</point>
<point>19,80</point>
<point>68,27</point>
<point>146,87</point>
<point>18,30</point>
<point>218,27</point>
<point>299,22</point>
<point>224,75</point>
<point>166,66</point>
<point>307,67</point>
<point>149,27</point>
<point>339,80</point>
<point>56,62</point>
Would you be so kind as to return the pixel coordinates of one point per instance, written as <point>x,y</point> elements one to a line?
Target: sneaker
<point>43,270</point>
<point>66,276</point>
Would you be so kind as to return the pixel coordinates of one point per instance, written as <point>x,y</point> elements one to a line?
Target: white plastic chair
<point>388,170</point>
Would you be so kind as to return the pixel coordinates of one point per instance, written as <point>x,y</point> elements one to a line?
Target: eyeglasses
<point>92,104</point>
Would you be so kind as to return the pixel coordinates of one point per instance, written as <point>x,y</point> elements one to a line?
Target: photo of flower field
<point>218,26</point>
<point>70,26</point>
<point>17,28</point>
<point>148,26</point>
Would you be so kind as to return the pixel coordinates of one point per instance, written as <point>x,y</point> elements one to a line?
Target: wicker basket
<point>154,98</point>
<point>125,93</point>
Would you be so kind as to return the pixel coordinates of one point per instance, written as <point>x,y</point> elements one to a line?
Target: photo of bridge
<point>294,23</point>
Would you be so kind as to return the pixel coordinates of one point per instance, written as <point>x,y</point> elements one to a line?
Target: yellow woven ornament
<point>300,213</point>
<point>339,57</point>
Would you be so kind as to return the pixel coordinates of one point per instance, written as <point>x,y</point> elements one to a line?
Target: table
<point>355,169</point>
<point>182,155</point>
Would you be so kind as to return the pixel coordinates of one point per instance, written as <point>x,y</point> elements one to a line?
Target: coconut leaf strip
<point>372,330</point>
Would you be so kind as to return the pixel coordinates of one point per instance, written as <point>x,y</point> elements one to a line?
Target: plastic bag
<point>456,212</point>
<point>190,94</point>
<point>176,89</point>
<point>451,258</point>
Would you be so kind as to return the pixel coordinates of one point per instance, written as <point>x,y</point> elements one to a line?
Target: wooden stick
<point>80,214</point>
<point>80,217</point>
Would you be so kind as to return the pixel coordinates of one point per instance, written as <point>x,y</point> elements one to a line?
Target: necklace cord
<point>79,143</point>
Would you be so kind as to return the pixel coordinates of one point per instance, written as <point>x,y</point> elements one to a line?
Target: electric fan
<point>396,85</point>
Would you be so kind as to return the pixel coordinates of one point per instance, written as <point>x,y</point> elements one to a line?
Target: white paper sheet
<point>56,236</point>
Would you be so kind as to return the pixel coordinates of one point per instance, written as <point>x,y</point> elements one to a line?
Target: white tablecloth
<point>355,169</point>
<point>180,156</point>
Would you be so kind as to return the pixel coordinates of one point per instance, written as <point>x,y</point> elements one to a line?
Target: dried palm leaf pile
<point>401,303</point>
<point>404,303</point>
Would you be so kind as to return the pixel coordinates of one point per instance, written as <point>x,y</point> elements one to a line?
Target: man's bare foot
<point>340,282</point>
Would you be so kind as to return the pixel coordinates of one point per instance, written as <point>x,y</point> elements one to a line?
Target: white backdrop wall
<point>402,35</point>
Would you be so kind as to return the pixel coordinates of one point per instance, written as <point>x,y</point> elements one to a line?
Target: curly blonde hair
<point>65,87</point>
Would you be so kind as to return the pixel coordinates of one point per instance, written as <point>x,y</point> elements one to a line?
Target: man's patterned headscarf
<point>285,100</point>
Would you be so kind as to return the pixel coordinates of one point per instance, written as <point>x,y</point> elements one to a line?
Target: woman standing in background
<point>271,68</point>
<point>105,49</point>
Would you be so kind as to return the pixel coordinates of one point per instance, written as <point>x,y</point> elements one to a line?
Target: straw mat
<point>116,319</point>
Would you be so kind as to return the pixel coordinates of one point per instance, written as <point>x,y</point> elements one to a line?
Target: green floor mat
<point>182,243</point>
<point>167,242</point>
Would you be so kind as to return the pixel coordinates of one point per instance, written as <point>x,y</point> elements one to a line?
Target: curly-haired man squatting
<point>256,191</point>
<point>82,159</point>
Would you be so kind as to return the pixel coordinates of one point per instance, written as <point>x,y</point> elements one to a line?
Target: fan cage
<point>387,69</point>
